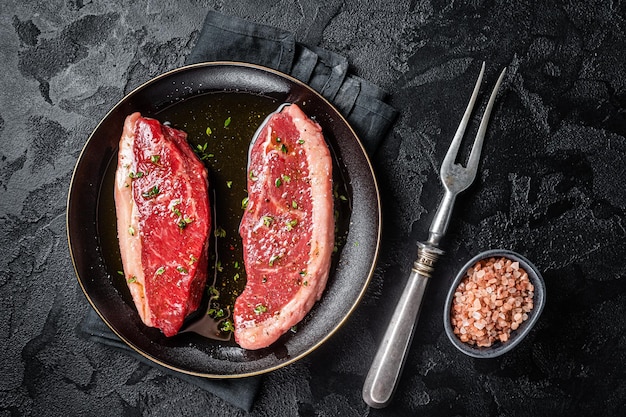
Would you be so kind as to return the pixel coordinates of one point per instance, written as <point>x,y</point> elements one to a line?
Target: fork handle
<point>385,371</point>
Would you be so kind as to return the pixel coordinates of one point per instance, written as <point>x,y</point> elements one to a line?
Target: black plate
<point>91,226</point>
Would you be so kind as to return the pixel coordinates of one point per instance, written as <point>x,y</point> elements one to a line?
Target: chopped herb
<point>291,224</point>
<point>219,266</point>
<point>302,273</point>
<point>268,220</point>
<point>192,259</point>
<point>227,326</point>
<point>134,175</point>
<point>236,265</point>
<point>260,308</point>
<point>286,178</point>
<point>151,193</point>
<point>182,269</point>
<point>294,329</point>
<point>214,293</point>
<point>343,197</point>
<point>132,280</point>
<point>227,122</point>
<point>131,230</point>
<point>219,232</point>
<point>173,207</point>
<point>155,159</point>
<point>183,221</point>
<point>216,313</point>
<point>283,148</point>
<point>201,150</point>
<point>236,277</point>
<point>294,204</point>
<point>244,203</point>
<point>229,184</point>
<point>300,141</point>
<point>253,176</point>
<point>273,259</point>
<point>305,283</point>
<point>278,182</point>
<point>120,273</point>
<point>208,131</point>
<point>160,270</point>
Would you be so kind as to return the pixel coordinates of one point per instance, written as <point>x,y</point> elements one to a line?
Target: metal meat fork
<point>387,366</point>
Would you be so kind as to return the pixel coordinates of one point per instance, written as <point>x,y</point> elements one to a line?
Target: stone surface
<point>550,187</point>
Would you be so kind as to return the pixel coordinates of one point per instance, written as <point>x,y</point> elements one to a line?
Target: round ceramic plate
<point>220,105</point>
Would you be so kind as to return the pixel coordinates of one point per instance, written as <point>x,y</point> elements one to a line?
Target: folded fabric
<point>225,38</point>
<point>239,392</point>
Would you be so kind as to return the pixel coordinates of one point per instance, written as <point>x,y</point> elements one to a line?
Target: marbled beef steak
<point>163,221</point>
<point>287,227</point>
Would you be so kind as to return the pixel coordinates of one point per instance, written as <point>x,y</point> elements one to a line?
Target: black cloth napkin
<point>239,392</point>
<point>225,38</point>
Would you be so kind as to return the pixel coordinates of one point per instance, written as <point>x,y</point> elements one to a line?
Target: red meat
<point>287,228</point>
<point>163,221</point>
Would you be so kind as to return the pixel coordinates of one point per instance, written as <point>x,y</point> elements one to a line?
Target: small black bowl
<point>497,348</point>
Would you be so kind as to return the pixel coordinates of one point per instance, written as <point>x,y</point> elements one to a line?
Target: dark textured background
<point>551,186</point>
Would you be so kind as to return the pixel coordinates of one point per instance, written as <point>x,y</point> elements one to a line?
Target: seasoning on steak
<point>287,227</point>
<point>163,221</point>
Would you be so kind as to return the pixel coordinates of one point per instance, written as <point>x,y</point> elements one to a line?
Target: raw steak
<point>163,221</point>
<point>287,227</point>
